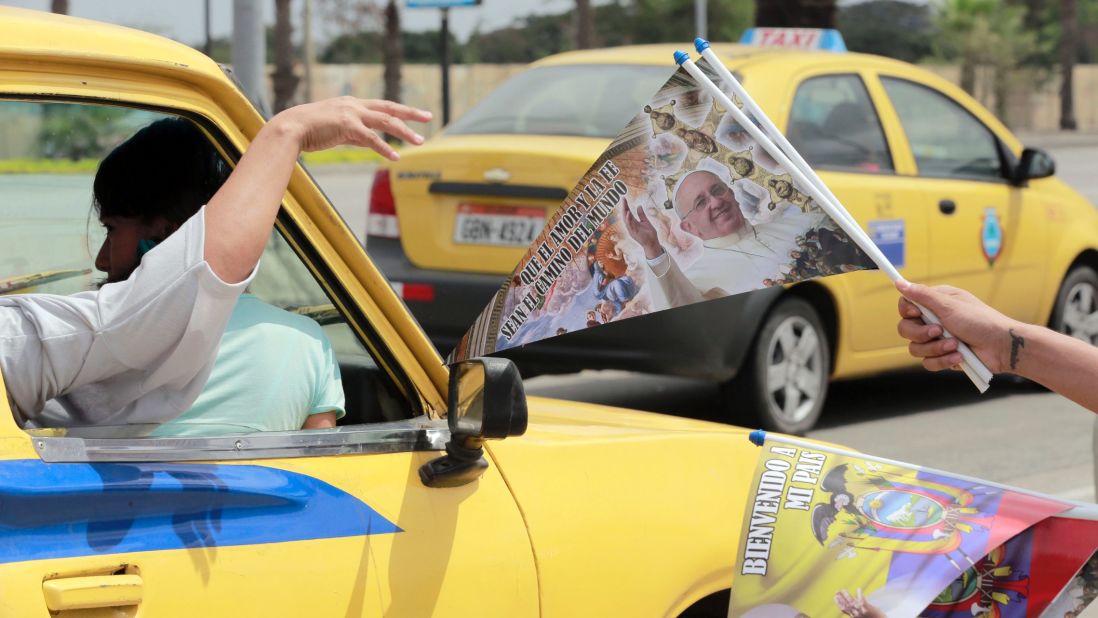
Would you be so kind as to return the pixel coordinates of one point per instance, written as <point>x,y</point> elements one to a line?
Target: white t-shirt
<point>145,345</point>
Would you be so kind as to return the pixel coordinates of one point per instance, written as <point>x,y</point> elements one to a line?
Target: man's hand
<point>642,231</point>
<point>351,121</point>
<point>990,334</point>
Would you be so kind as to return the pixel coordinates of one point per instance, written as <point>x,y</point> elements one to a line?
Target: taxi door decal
<point>991,236</point>
<point>890,237</point>
<point>67,510</point>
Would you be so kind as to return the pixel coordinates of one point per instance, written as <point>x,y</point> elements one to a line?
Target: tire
<point>783,384</point>
<point>1076,310</point>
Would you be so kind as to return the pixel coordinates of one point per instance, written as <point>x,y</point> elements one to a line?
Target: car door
<point>316,523</point>
<point>835,125</point>
<point>984,237</point>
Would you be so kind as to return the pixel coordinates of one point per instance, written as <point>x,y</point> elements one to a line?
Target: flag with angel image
<point>684,206</point>
<point>833,533</point>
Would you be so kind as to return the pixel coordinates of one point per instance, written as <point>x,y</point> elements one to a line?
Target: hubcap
<point>795,369</point>
<point>1081,313</point>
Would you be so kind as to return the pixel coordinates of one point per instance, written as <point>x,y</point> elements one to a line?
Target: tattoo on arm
<point>1016,344</point>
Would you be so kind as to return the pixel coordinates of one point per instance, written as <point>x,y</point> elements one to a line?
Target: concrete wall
<point>1033,102</point>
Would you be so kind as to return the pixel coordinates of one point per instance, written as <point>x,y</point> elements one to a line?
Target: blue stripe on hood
<point>70,509</point>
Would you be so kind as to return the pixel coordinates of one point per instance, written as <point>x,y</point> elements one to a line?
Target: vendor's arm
<point>1061,363</point>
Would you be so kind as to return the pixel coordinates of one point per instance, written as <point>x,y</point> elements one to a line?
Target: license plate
<point>505,226</point>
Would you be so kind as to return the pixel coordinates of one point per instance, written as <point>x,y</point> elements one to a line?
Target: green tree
<point>77,132</point>
<point>984,33</point>
<point>892,28</point>
<point>1067,33</point>
<point>221,49</point>
<point>661,21</point>
<point>366,47</point>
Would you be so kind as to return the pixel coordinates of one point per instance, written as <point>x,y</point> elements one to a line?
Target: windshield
<point>586,100</point>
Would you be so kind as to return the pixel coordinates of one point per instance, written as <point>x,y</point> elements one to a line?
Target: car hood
<point>639,498</point>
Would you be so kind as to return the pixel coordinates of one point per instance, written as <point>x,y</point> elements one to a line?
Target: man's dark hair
<point>168,169</point>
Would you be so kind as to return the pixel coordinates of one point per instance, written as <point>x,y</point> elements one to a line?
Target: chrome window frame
<point>417,434</point>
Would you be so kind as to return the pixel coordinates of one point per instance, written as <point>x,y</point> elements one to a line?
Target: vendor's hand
<point>350,121</point>
<point>642,231</point>
<point>966,317</point>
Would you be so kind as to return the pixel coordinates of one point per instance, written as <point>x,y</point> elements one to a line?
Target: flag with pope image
<point>683,206</point>
<point>832,533</point>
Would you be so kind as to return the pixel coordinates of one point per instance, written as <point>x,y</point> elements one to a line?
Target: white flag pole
<point>976,371</point>
<point>1075,510</point>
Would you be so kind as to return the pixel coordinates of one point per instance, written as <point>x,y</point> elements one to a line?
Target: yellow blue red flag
<point>832,534</point>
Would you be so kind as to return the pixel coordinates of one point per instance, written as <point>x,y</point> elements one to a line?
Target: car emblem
<point>497,174</point>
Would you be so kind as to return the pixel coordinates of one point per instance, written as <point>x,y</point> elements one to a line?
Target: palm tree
<point>585,24</point>
<point>392,51</point>
<point>284,81</point>
<point>1069,45</point>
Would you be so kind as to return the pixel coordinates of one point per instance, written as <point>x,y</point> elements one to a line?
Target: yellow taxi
<point>945,190</point>
<point>401,510</point>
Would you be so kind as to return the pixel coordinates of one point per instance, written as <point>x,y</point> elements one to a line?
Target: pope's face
<point>707,207</point>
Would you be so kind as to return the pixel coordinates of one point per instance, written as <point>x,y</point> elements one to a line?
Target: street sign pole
<point>701,18</point>
<point>443,42</point>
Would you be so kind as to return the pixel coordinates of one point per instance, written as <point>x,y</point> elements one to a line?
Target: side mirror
<point>487,401</point>
<point>1035,163</point>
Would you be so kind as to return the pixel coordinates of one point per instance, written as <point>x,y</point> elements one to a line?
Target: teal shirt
<point>273,370</point>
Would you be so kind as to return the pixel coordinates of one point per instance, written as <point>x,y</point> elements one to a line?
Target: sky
<point>183,20</point>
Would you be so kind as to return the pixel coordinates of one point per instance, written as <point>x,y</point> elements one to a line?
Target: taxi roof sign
<point>795,38</point>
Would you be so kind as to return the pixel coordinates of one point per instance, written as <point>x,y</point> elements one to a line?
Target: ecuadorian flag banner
<point>829,533</point>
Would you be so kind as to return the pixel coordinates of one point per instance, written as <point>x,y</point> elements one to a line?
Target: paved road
<point>1016,433</point>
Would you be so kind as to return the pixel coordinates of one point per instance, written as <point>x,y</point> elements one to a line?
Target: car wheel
<point>1076,310</point>
<point>783,384</point>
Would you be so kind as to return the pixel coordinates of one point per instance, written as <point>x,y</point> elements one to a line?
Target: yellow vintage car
<point>945,190</point>
<point>593,512</point>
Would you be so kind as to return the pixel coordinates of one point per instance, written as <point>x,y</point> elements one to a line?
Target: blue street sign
<point>440,4</point>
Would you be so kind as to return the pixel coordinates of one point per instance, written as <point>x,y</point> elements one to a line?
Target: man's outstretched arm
<point>149,341</point>
<point>240,215</point>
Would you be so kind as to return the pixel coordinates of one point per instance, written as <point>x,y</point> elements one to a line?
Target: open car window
<point>49,238</point>
<point>834,125</point>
